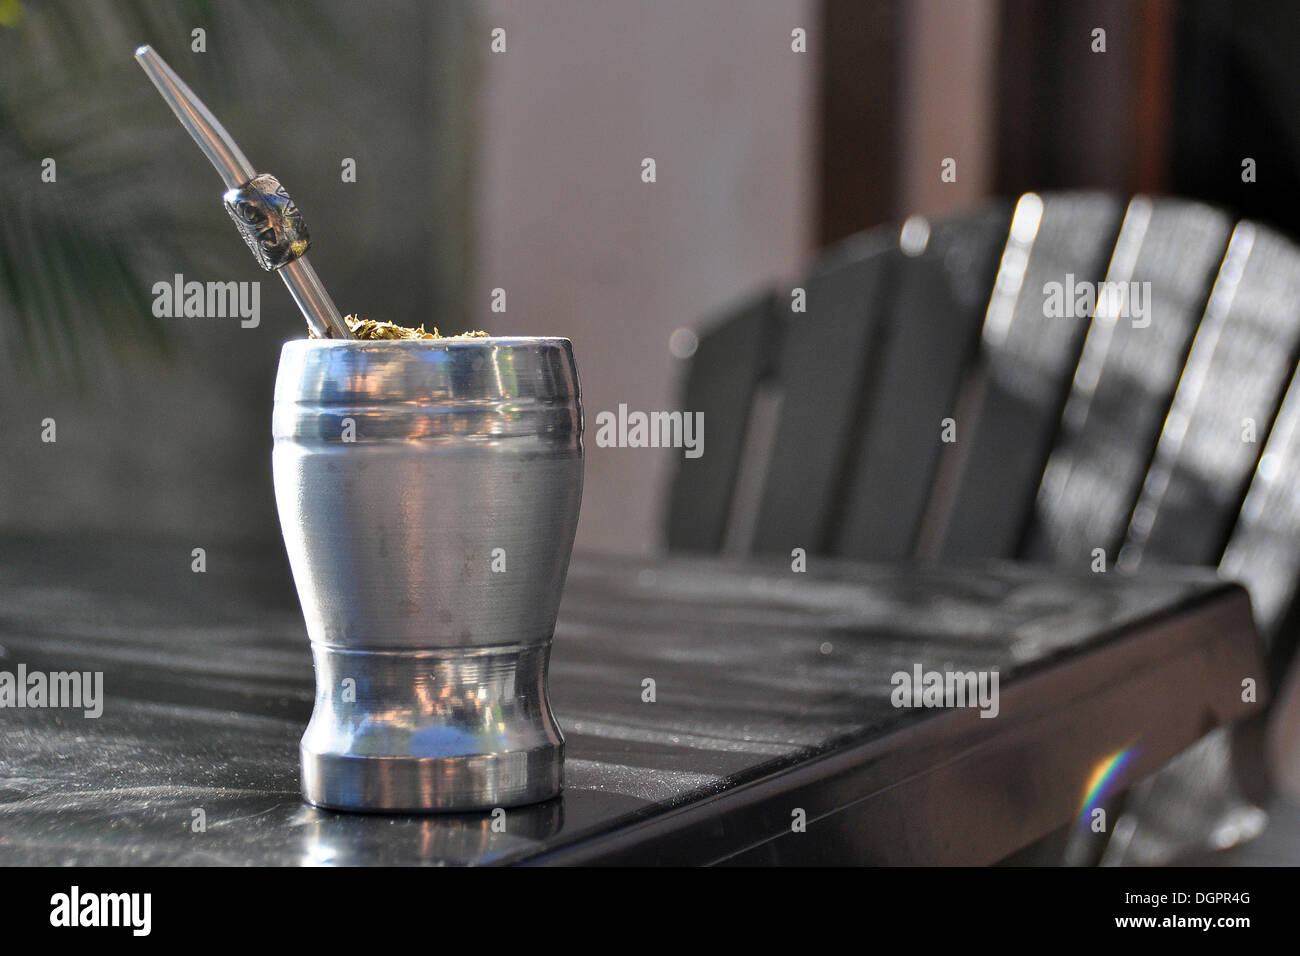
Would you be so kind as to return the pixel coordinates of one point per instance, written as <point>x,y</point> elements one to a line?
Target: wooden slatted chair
<point>952,392</point>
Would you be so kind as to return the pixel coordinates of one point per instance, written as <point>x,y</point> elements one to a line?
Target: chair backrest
<point>1070,379</point>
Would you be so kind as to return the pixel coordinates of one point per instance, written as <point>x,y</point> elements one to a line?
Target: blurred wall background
<point>714,94</point>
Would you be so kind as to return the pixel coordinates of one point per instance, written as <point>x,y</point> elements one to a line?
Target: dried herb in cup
<point>371,329</point>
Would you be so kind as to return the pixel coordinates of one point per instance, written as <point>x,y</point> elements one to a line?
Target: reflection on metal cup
<point>428,492</point>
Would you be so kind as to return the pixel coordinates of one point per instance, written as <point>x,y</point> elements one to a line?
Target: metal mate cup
<point>428,492</point>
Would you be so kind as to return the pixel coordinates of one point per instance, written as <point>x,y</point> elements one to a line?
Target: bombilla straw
<point>304,285</point>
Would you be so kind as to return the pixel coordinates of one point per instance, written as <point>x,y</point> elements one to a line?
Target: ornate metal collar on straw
<point>267,218</point>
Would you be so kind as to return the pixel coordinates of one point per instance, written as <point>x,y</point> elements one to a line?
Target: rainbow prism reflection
<point>1101,782</point>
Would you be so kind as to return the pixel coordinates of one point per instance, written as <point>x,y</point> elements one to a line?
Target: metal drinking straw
<point>266,216</point>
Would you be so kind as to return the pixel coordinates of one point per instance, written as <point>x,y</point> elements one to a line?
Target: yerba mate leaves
<point>371,329</point>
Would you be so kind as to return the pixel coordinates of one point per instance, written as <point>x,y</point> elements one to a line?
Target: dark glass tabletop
<point>774,733</point>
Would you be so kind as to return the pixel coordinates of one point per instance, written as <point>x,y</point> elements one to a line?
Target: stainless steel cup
<point>428,493</point>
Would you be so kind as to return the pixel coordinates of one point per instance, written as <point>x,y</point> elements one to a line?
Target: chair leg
<point>1198,802</point>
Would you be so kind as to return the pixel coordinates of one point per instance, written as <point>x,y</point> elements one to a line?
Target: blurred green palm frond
<point>78,256</point>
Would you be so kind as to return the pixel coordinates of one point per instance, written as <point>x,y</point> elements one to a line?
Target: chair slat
<point>1264,550</point>
<point>731,359</point>
<point>1126,377</point>
<point>932,331</point>
<point>1236,374</point>
<point>827,354</point>
<point>1026,362</point>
